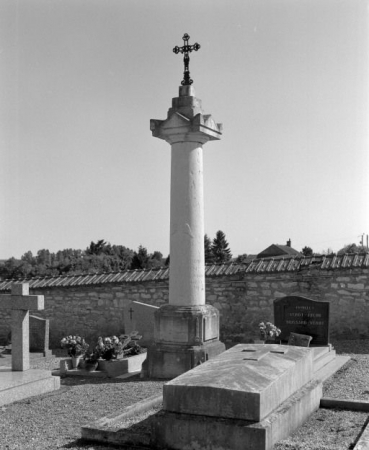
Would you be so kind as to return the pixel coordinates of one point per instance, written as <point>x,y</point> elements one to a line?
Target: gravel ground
<point>53,421</point>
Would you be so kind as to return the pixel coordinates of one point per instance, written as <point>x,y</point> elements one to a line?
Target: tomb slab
<point>189,431</point>
<point>246,382</point>
<point>15,386</point>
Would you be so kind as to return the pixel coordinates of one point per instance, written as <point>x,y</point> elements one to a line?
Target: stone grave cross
<point>20,302</point>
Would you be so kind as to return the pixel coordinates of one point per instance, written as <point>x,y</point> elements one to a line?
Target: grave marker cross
<point>257,355</point>
<point>130,312</point>
<point>20,302</point>
<point>186,59</point>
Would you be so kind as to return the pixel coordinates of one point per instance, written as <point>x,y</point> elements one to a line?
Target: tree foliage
<point>307,251</point>
<point>209,257</point>
<point>353,248</point>
<point>98,257</point>
<point>241,258</point>
<point>220,248</point>
<point>143,260</point>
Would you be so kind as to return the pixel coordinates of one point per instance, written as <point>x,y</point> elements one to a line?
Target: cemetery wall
<point>243,299</point>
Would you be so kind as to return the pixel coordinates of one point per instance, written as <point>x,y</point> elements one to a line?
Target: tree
<point>140,259</point>
<point>12,268</point>
<point>307,251</point>
<point>156,259</point>
<point>29,258</point>
<point>241,258</point>
<point>220,248</point>
<point>352,248</point>
<point>209,257</point>
<point>98,248</point>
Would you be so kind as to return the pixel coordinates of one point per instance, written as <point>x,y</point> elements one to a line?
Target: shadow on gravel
<point>351,347</point>
<point>80,444</point>
<point>366,424</point>
<point>78,381</point>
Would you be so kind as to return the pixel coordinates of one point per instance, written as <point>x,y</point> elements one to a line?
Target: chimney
<point>289,243</point>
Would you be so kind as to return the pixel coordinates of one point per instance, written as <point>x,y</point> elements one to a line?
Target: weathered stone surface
<point>246,382</point>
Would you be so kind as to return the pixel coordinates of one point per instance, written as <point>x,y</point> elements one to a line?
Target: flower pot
<point>118,367</point>
<point>75,361</point>
<point>90,366</point>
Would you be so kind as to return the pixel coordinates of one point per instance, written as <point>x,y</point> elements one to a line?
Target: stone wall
<point>243,299</point>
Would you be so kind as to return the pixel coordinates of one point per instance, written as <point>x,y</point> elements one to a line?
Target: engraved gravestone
<point>295,314</point>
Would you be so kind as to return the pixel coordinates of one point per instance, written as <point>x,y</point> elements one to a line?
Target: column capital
<point>186,121</point>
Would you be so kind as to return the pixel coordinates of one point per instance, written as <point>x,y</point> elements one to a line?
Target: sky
<point>81,79</point>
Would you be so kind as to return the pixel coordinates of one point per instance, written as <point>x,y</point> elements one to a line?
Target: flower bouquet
<point>75,345</point>
<point>268,331</point>
<point>112,347</point>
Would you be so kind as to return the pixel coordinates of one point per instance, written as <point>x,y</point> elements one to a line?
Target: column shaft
<point>187,270</point>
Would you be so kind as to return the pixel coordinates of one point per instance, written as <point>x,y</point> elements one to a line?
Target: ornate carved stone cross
<point>20,302</point>
<point>186,59</point>
<point>257,355</point>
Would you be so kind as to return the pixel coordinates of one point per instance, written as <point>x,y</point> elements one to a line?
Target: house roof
<point>278,250</point>
<point>264,265</point>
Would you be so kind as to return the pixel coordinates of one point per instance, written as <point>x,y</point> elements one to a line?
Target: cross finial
<point>186,59</point>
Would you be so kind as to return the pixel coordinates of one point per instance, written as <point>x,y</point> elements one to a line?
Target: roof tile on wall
<point>284,264</point>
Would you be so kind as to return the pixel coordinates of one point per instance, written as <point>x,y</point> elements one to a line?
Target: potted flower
<point>90,361</point>
<point>116,354</point>
<point>76,347</point>
<point>112,347</point>
<point>268,331</point>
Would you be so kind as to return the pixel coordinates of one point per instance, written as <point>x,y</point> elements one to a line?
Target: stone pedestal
<point>186,330</point>
<point>185,337</point>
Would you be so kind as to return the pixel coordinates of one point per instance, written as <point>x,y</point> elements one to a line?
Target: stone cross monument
<point>186,329</point>
<point>20,302</point>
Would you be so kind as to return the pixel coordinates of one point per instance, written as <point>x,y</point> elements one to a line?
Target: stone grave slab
<point>140,317</point>
<point>295,314</point>
<point>15,386</point>
<point>250,396</point>
<point>189,431</point>
<point>246,382</point>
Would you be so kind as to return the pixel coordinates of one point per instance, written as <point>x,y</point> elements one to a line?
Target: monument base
<point>185,337</point>
<point>15,386</point>
<point>170,361</point>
